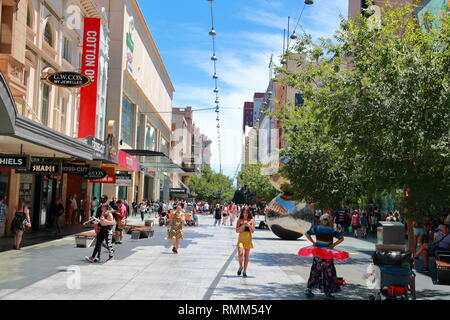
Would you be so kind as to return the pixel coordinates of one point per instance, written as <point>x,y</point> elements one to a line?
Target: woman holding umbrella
<point>323,272</point>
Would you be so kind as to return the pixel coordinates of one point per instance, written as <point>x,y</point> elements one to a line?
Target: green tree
<point>257,182</point>
<point>380,96</point>
<point>212,187</point>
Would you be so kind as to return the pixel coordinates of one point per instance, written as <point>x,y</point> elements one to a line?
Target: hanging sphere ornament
<point>269,93</point>
<point>294,36</point>
<point>283,61</point>
<point>309,2</point>
<point>215,76</point>
<point>213,32</point>
<point>216,90</point>
<point>214,58</point>
<point>217,101</point>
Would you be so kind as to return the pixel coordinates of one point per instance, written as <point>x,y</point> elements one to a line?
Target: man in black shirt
<point>56,211</point>
<point>103,200</point>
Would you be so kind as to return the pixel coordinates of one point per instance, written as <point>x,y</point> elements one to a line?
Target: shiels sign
<point>69,79</point>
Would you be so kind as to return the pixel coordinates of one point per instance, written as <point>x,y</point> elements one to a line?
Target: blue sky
<point>248,33</point>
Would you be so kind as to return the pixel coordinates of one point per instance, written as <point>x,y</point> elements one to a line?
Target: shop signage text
<point>68,79</point>
<point>124,180</point>
<point>100,148</point>
<point>178,190</point>
<point>43,168</point>
<point>96,174</point>
<point>75,169</point>
<point>89,67</point>
<point>106,180</point>
<point>14,162</point>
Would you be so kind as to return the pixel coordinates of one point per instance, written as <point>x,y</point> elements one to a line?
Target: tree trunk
<point>412,249</point>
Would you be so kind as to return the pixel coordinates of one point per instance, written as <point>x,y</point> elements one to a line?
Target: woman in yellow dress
<point>245,227</point>
<point>176,222</point>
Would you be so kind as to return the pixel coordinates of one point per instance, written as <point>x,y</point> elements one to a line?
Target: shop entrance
<point>48,189</point>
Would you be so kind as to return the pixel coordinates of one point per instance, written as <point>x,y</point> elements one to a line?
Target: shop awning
<point>22,135</point>
<point>155,161</point>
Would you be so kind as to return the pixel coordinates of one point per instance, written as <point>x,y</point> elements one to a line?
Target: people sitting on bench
<point>441,243</point>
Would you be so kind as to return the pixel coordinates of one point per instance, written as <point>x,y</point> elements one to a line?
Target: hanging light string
<point>214,59</point>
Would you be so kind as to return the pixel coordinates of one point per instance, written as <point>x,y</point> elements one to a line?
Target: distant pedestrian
<point>176,223</point>
<point>232,209</point>
<point>3,215</point>
<point>121,211</point>
<point>75,213</point>
<point>94,206</point>
<point>143,209</point>
<point>56,211</point>
<point>355,223</point>
<point>224,214</point>
<point>217,215</point>
<point>20,222</point>
<point>364,225</point>
<point>245,227</point>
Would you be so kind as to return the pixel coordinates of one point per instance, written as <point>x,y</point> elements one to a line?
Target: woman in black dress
<point>20,223</point>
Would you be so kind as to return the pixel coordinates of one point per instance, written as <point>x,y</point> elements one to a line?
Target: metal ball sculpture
<point>287,218</point>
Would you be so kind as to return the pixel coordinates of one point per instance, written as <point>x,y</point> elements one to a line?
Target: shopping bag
<point>350,229</point>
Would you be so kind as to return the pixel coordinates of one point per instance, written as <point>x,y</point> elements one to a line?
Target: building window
<point>164,147</point>
<point>299,101</point>
<point>150,138</point>
<point>29,17</point>
<point>63,115</point>
<point>67,50</point>
<point>127,122</point>
<point>45,104</point>
<point>48,34</point>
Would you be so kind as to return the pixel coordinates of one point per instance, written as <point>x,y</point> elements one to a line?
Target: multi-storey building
<point>39,121</point>
<point>248,115</point>
<point>139,103</point>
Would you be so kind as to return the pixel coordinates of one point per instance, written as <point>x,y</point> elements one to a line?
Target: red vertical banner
<point>89,67</point>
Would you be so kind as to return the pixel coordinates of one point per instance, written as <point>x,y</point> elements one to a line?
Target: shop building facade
<point>40,121</point>
<point>139,102</point>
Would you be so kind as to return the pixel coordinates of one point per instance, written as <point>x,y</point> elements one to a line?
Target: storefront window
<point>96,191</point>
<point>127,122</point>
<point>4,177</point>
<point>123,193</point>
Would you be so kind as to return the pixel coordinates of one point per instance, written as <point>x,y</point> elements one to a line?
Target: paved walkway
<point>205,268</point>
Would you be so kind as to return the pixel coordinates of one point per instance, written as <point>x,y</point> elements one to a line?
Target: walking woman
<point>245,227</point>
<point>105,233</point>
<point>176,222</point>
<point>356,223</point>
<point>224,214</point>
<point>20,222</point>
<point>323,272</point>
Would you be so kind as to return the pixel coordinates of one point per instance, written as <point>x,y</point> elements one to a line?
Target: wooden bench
<point>129,227</point>
<point>85,240</point>
<point>142,233</point>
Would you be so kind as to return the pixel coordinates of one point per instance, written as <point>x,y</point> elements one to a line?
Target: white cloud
<point>243,69</point>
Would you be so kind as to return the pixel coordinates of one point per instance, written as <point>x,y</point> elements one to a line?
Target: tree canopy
<point>257,182</point>
<point>212,187</point>
<point>376,112</point>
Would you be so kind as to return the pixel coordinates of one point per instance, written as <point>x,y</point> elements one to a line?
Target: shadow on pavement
<point>288,259</point>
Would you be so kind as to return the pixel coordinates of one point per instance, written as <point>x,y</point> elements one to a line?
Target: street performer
<point>323,272</point>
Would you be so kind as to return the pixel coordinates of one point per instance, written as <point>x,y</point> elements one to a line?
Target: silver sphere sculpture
<point>289,219</point>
